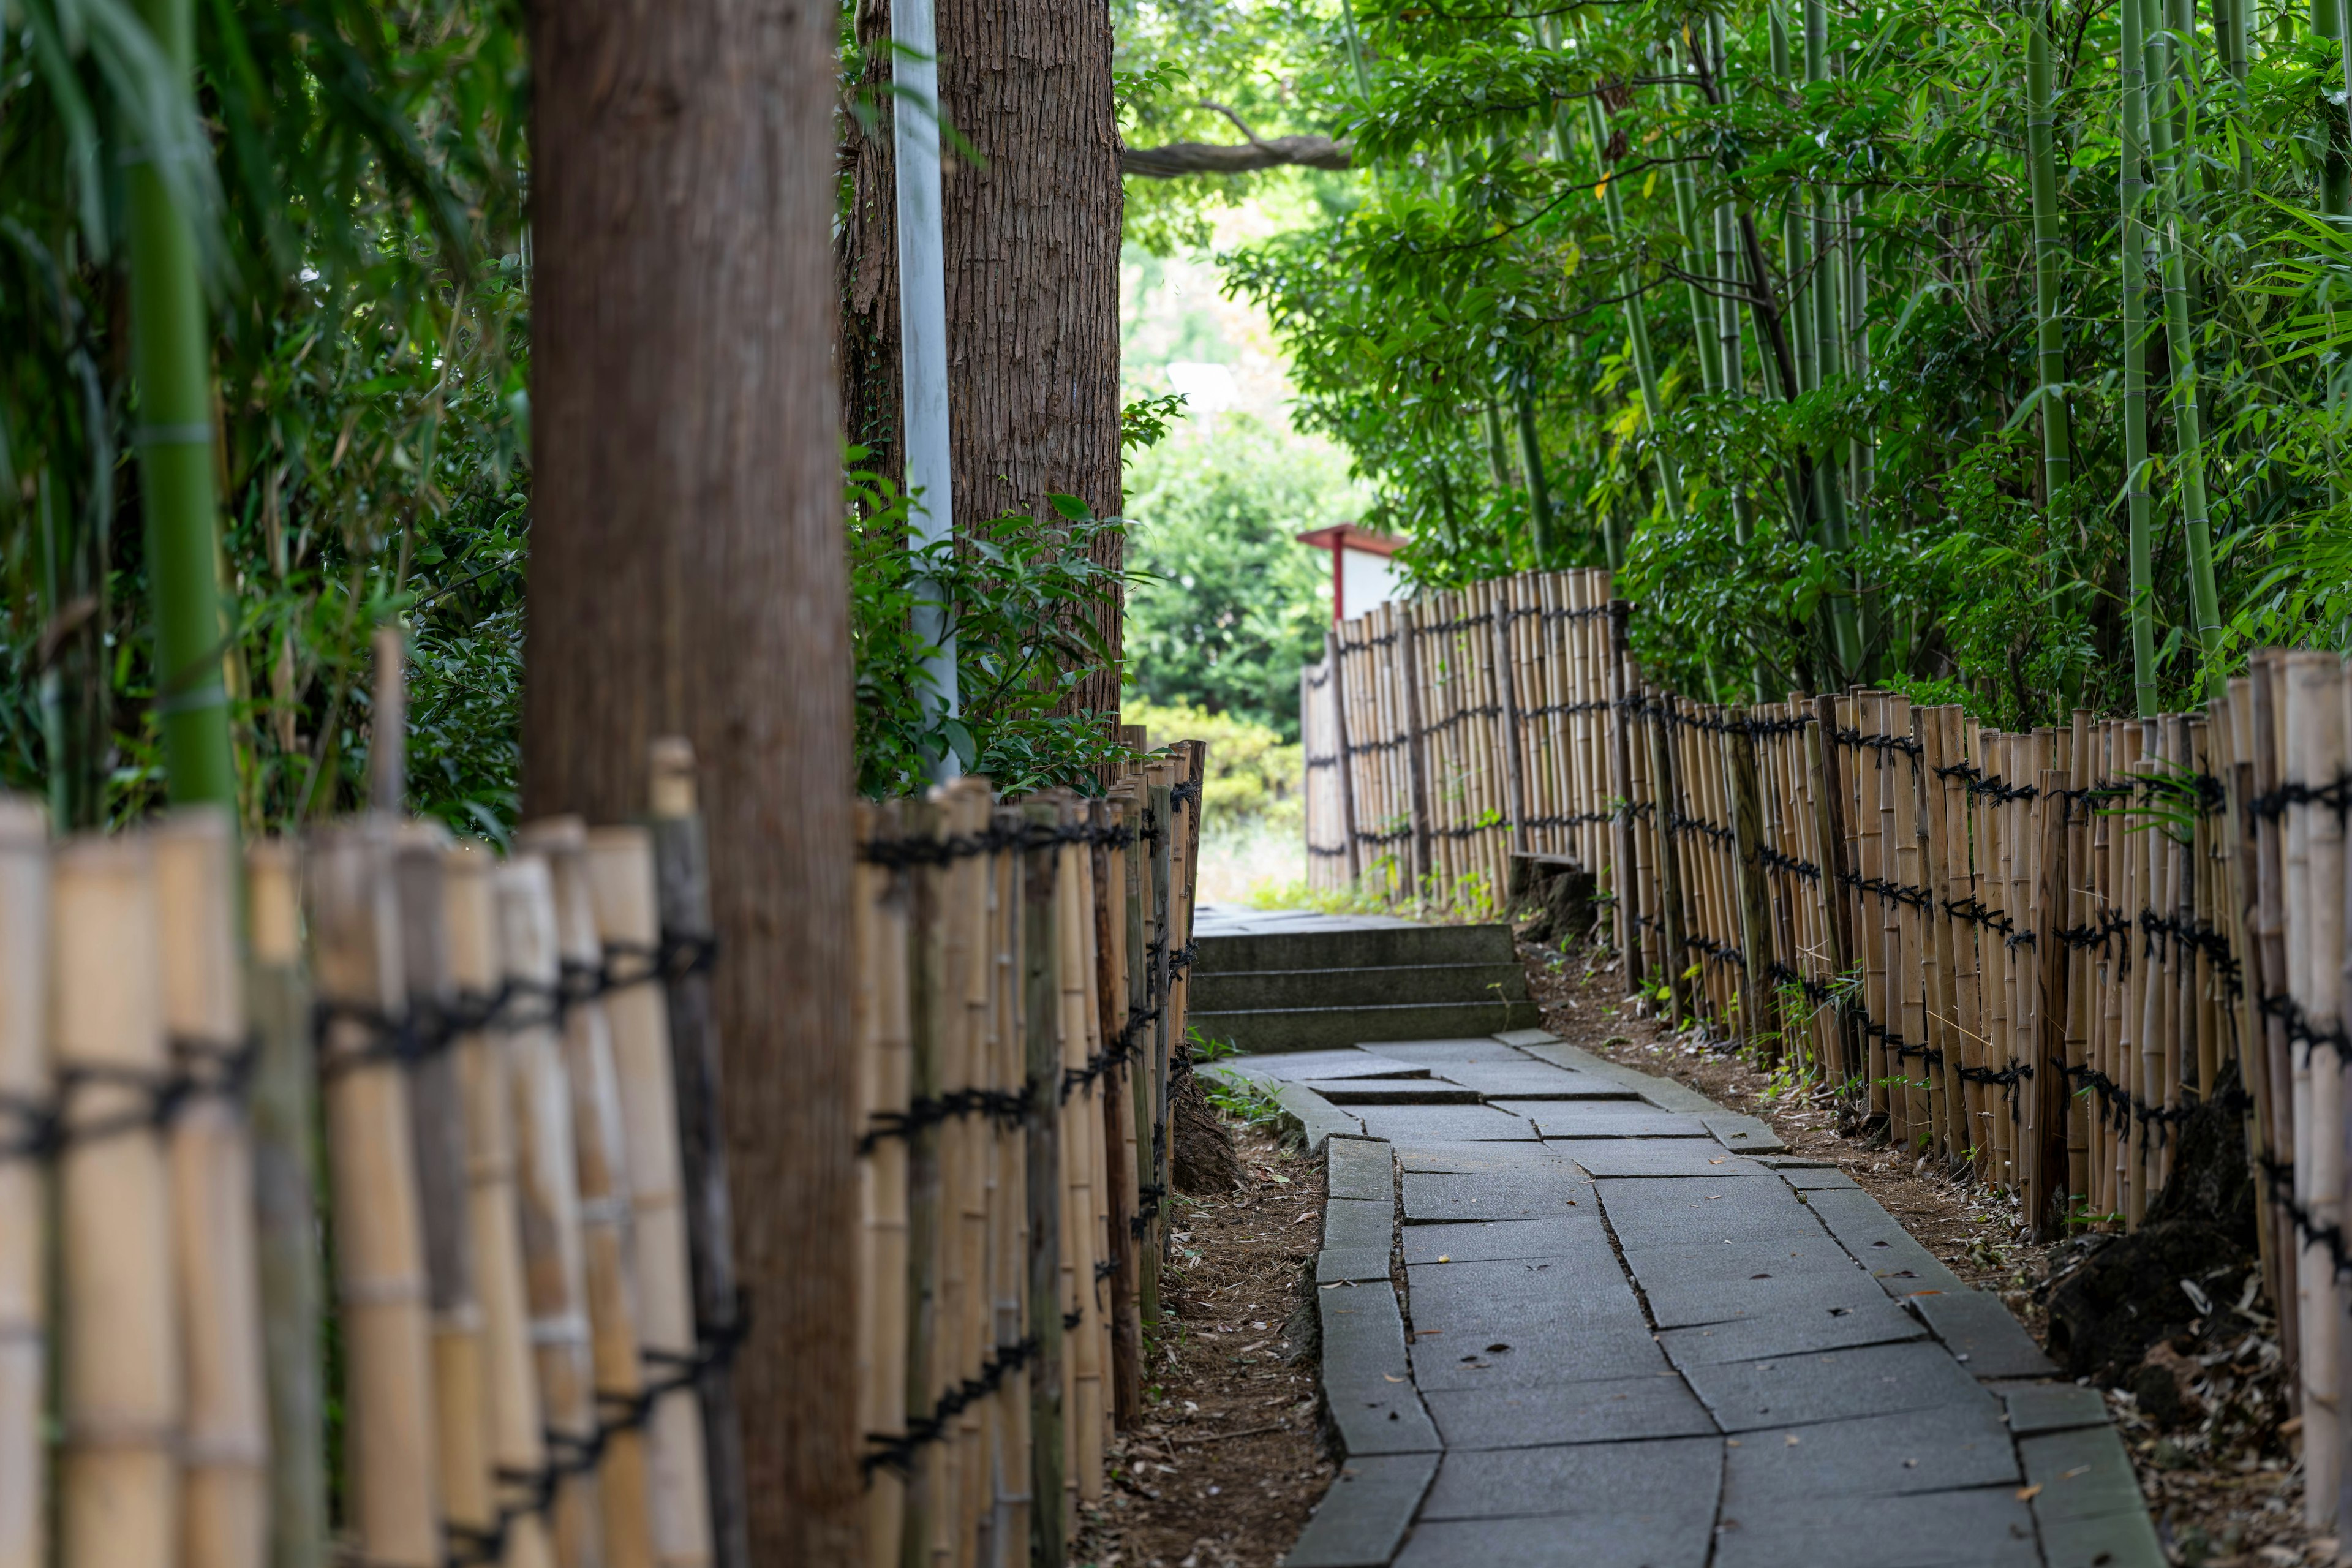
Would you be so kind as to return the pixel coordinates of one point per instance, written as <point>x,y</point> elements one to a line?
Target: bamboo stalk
<point>438,1128</point>
<point>878,1001</point>
<point>119,1372</point>
<point>548,1201</point>
<point>284,1110</point>
<point>1048,1540</point>
<point>618,865</point>
<point>599,1145</point>
<point>2316,729</point>
<point>225,1452</point>
<point>25,934</point>
<point>379,1232</point>
<point>508,1401</point>
<point>681,869</point>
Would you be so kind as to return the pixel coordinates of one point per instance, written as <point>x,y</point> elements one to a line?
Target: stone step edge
<point>1734,1130</point>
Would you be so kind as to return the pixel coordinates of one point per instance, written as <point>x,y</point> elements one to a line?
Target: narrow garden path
<point>1575,1314</point>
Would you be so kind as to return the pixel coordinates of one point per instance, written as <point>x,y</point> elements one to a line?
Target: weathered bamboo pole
<point>437,1128</point>
<point>1108,870</point>
<point>599,1150</point>
<point>120,1372</point>
<point>508,1403</point>
<point>618,864</point>
<point>25,1080</point>
<point>283,1103</point>
<point>2050,1083</point>
<point>682,872</point>
<point>225,1455</point>
<point>2315,731</point>
<point>1049,1537</point>
<point>548,1201</point>
<point>878,1025</point>
<point>379,1232</point>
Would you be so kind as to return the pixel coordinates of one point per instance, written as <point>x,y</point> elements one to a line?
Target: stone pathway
<point>1630,1334</point>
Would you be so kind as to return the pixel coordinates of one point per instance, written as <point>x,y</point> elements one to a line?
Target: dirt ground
<point>2220,1479</point>
<point>1228,1462</point>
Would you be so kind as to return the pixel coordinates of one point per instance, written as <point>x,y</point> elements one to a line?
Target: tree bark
<point>686,577</point>
<point>1033,233</point>
<point>1179,158</point>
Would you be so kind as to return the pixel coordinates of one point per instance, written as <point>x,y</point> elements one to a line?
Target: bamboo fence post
<point>966,804</point>
<point>2316,729</point>
<point>1906,977</point>
<point>1625,881</point>
<point>1335,652</point>
<point>509,1398</point>
<point>1160,775</point>
<point>1012,1529</point>
<point>1829,825</point>
<point>547,1202</point>
<point>682,874</point>
<point>379,1237</point>
<point>601,1156</point>
<point>1403,626</point>
<point>25,1080</point>
<point>120,1372</point>
<point>437,1128</point>
<point>2081,989</point>
<point>1048,1535</point>
<point>2255,981</point>
<point>1755,905</point>
<point>1081,1149</point>
<point>878,1020</point>
<point>1940,1039</point>
<point>619,866</point>
<point>283,1105</point>
<point>1108,868</point>
<point>2050,1081</point>
<point>2268,745</point>
<point>225,1453</point>
<point>1671,933</point>
<point>928,1370</point>
<point>1142,1008</point>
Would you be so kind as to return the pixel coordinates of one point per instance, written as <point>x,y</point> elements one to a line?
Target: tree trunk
<point>686,577</point>
<point>1032,231</point>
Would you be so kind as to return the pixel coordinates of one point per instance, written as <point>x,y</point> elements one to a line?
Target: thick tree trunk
<point>686,577</point>
<point>1033,231</point>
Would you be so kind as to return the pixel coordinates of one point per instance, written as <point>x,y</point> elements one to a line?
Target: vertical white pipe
<point>923,330</point>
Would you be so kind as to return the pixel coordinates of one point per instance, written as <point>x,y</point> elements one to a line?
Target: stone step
<point>1376,948</point>
<point>1325,1028</point>
<point>1252,990</point>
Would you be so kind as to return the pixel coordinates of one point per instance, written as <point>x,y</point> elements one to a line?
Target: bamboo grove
<point>1991,352</point>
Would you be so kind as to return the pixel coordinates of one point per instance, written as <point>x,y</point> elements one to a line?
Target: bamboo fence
<point>2033,955</point>
<point>484,1046</point>
<point>1020,1011</point>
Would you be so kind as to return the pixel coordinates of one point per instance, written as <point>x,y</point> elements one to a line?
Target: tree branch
<point>1179,158</point>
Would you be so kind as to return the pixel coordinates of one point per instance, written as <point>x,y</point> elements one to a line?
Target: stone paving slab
<point>1429,1053</point>
<point>1981,1333</point>
<point>1793,1331</point>
<point>1986,1528</point>
<point>1444,1123</point>
<point>1607,1410</point>
<point>1359,1223</point>
<point>1581,1479</point>
<point>1484,1241</point>
<point>1526,1195</point>
<point>1335,1265</point>
<point>1949,1448</point>
<point>1366,1380</point>
<point>1361,1168</point>
<point>1446,1158</point>
<point>1535,1293</point>
<point>1311,1066</point>
<point>1471,1357</point>
<point>1833,1385</point>
<point>1603,1119</point>
<point>2037,1408</point>
<point>1645,1211</point>
<point>1693,1157</point>
<point>1895,1259</point>
<point>1316,1117</point>
<point>1816,1179</point>
<point>1364,1516</point>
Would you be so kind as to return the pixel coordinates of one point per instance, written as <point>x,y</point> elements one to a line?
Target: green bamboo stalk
<point>171,364</point>
<point>1699,262</point>
<point>2132,52</point>
<point>2180,343</point>
<point>2334,194</point>
<point>1637,326</point>
<point>1498,466</point>
<point>2049,246</point>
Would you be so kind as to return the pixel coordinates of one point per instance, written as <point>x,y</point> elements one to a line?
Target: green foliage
<point>1227,603</point>
<point>1023,598</point>
<point>358,177</point>
<point>1477,267</point>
